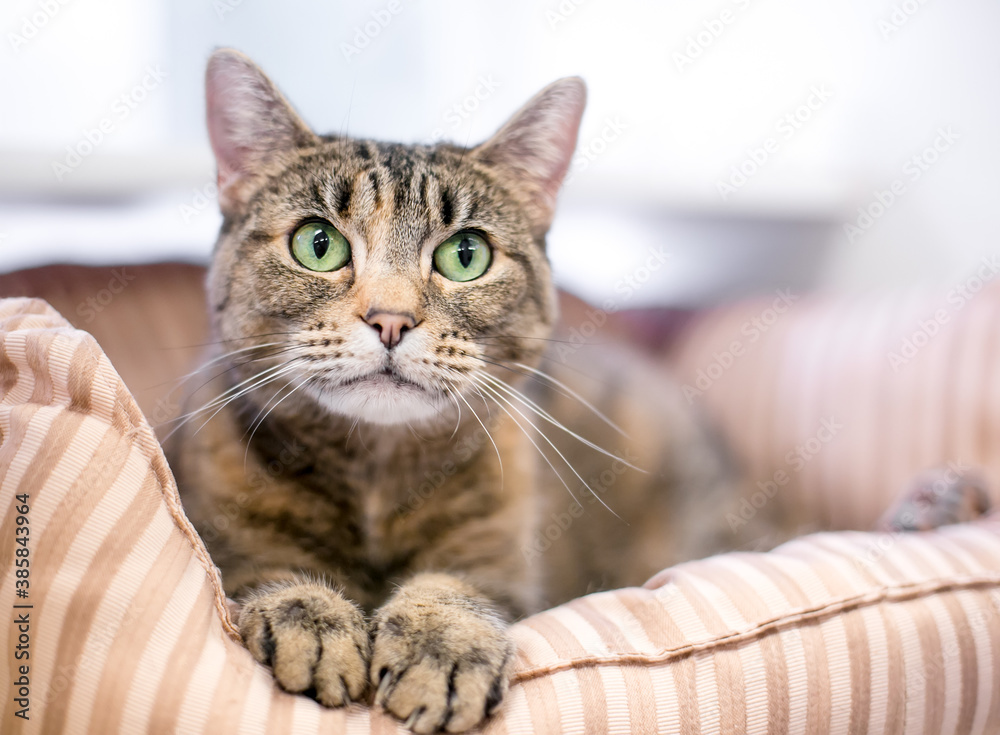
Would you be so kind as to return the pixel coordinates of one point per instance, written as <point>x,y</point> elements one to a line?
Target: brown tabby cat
<point>382,442</point>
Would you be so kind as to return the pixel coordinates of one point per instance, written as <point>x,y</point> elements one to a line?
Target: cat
<point>385,475</point>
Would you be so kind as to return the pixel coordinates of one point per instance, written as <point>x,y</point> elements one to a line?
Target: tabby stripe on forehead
<point>319,196</point>
<point>447,208</point>
<point>423,190</point>
<point>399,196</point>
<point>475,201</point>
<point>373,178</point>
<point>363,150</point>
<point>344,197</point>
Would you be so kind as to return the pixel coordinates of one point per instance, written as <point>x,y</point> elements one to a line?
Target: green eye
<point>320,247</point>
<point>463,257</point>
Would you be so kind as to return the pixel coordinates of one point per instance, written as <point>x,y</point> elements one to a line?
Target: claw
<point>383,687</point>
<point>412,719</point>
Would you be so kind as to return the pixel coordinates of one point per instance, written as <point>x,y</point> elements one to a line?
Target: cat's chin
<point>385,405</point>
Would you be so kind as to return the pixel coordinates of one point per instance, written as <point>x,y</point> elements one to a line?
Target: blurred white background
<point>738,137</point>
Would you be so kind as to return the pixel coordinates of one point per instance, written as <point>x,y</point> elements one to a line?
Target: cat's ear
<point>536,146</point>
<point>250,124</point>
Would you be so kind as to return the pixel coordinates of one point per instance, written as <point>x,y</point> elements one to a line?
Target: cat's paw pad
<point>440,666</point>
<point>312,638</point>
<point>936,498</point>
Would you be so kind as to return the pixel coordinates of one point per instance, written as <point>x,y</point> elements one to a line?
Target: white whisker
<point>575,395</point>
<point>179,382</point>
<point>259,422</point>
<point>535,444</point>
<point>496,395</point>
<point>458,420</point>
<point>519,396</point>
<point>488,434</point>
<point>270,379</point>
<point>263,377</point>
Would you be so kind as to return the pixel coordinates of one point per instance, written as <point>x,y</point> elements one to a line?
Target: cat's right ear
<point>250,124</point>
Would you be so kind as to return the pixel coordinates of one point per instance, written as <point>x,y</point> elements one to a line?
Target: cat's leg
<point>312,637</point>
<point>936,498</point>
<point>442,654</point>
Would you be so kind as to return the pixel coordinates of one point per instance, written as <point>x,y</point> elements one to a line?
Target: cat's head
<point>385,281</point>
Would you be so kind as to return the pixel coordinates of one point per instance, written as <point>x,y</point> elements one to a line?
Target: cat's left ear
<point>536,146</point>
<point>250,124</point>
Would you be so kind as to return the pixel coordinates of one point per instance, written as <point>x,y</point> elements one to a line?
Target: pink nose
<point>390,326</point>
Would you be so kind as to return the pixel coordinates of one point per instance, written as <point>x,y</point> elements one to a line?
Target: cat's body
<point>383,461</point>
<point>366,506</point>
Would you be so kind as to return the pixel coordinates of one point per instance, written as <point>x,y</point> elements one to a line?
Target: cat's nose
<point>390,326</point>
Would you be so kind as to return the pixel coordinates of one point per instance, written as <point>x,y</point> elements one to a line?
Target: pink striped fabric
<point>909,378</point>
<point>129,633</point>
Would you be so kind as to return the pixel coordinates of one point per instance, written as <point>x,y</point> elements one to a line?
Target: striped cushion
<point>908,376</point>
<point>129,631</point>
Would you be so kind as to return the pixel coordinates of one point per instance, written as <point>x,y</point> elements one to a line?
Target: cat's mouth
<point>383,396</point>
<point>384,377</point>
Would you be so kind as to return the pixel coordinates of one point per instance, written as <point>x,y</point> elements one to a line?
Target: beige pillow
<point>128,630</point>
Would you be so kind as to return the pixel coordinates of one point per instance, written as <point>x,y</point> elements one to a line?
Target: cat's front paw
<point>441,656</point>
<point>312,637</point>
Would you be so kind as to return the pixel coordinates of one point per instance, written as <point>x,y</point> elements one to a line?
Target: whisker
<point>542,434</point>
<point>263,377</point>
<point>574,394</point>
<point>517,395</point>
<point>234,367</point>
<point>539,339</point>
<point>270,379</point>
<point>234,339</point>
<point>489,412</point>
<point>562,388</point>
<point>350,431</point>
<point>488,434</point>
<point>222,396</point>
<point>204,366</point>
<point>264,418</point>
<point>458,421</point>
<point>535,445</point>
